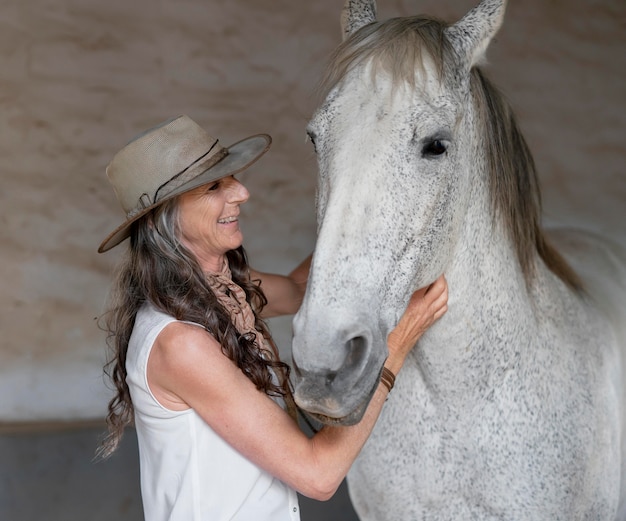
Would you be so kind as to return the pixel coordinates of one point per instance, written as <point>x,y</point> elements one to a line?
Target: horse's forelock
<point>399,46</point>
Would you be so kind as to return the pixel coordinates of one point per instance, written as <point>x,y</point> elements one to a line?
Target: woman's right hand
<point>426,306</point>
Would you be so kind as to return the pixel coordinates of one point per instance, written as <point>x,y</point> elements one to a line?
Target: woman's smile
<point>229,220</point>
<point>209,220</point>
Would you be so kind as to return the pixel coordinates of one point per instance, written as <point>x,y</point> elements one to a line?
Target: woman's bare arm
<point>187,369</point>
<point>284,292</point>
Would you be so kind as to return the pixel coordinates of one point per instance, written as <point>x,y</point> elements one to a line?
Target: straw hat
<point>167,160</point>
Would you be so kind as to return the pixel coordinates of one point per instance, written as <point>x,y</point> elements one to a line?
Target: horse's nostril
<point>356,351</point>
<point>355,356</point>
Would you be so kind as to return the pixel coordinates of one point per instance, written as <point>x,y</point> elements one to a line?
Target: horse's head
<point>393,146</point>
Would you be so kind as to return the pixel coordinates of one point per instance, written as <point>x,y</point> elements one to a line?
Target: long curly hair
<point>159,269</point>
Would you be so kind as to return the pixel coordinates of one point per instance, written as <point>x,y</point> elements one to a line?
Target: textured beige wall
<point>78,78</point>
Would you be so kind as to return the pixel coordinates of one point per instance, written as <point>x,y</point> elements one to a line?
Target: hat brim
<point>240,156</point>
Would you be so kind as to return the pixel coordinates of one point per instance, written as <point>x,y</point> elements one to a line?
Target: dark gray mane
<point>400,46</point>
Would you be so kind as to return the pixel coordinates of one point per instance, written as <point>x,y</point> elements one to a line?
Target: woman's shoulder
<point>181,342</point>
<point>151,316</point>
<point>156,328</point>
<point>187,365</point>
<point>180,332</point>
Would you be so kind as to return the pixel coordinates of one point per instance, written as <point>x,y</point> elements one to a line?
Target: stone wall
<point>78,78</point>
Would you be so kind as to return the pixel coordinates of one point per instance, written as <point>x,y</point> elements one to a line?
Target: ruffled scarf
<point>233,298</point>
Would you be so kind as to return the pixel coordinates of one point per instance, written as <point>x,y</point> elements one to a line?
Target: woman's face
<point>209,220</point>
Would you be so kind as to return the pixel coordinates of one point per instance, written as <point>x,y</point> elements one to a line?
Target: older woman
<point>194,365</point>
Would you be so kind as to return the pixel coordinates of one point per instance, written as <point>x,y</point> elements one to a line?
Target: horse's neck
<point>485,272</point>
<point>489,306</point>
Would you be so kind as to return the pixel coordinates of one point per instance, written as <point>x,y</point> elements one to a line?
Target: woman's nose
<point>238,192</point>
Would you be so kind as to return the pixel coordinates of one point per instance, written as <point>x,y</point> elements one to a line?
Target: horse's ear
<point>356,14</point>
<point>471,35</point>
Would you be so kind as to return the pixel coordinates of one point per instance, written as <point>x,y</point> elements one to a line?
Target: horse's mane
<point>400,47</point>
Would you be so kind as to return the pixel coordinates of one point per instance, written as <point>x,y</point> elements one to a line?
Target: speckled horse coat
<point>511,407</point>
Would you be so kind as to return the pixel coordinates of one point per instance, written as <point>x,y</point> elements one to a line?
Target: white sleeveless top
<point>189,473</point>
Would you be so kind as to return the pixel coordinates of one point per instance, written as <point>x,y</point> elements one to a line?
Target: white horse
<point>512,406</point>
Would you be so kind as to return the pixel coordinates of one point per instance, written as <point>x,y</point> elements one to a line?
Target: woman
<point>194,365</point>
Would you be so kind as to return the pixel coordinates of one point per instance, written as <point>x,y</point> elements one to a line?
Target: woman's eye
<point>213,187</point>
<point>434,148</point>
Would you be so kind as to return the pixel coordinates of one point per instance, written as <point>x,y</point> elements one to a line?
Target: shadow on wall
<point>53,476</point>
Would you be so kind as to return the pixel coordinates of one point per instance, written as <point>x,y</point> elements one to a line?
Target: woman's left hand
<point>427,305</point>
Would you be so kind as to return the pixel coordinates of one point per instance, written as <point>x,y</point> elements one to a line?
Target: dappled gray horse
<point>512,405</point>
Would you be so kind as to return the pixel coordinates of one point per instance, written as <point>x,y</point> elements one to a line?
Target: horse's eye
<point>434,148</point>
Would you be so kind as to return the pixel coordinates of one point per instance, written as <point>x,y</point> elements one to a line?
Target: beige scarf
<point>233,298</point>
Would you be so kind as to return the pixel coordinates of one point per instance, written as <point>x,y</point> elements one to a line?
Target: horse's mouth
<point>351,418</point>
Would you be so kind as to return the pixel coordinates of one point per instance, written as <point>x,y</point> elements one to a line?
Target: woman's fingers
<point>438,287</point>
<point>438,292</point>
<point>425,307</point>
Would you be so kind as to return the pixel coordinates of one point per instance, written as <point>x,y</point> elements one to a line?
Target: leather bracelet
<point>388,379</point>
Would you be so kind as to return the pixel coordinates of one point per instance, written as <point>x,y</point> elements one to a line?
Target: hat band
<point>185,176</point>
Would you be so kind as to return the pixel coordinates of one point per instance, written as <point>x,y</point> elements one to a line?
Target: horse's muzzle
<point>339,395</point>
